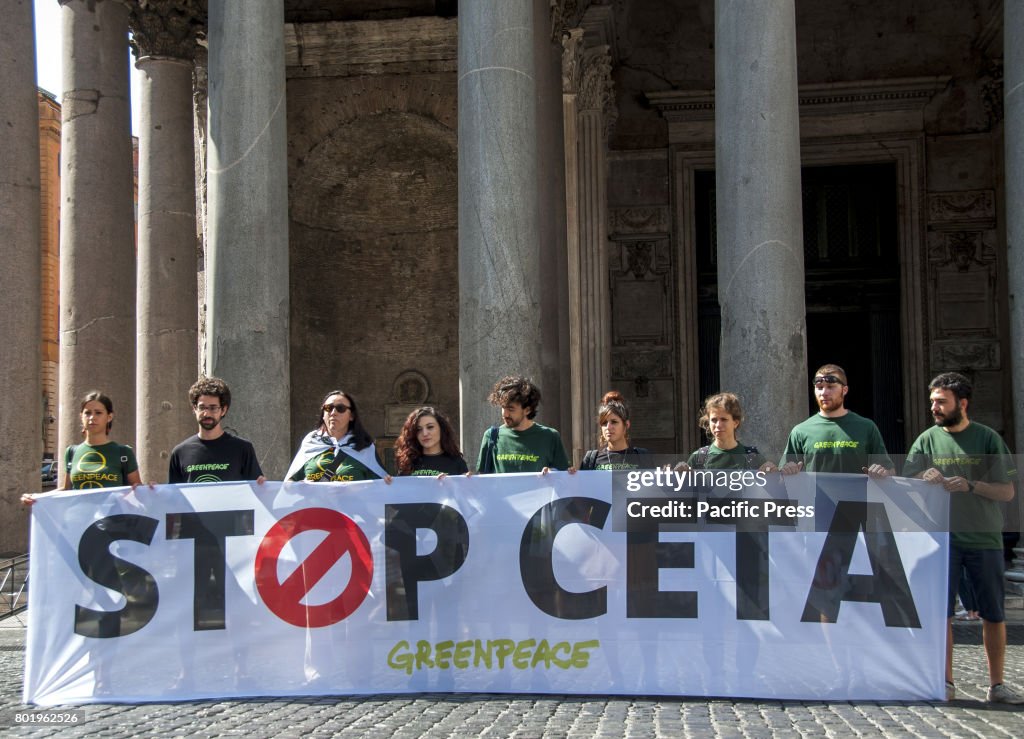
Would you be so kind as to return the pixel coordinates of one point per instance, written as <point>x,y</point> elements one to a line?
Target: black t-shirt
<point>606,459</point>
<point>224,459</point>
<point>431,465</point>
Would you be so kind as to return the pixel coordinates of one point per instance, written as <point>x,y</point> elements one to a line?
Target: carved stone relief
<point>965,205</point>
<point>651,219</point>
<point>962,268</point>
<point>965,355</point>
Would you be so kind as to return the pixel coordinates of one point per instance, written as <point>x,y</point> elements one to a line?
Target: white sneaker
<point>1002,694</point>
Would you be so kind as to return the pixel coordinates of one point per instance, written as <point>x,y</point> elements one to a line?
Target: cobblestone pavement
<point>541,716</point>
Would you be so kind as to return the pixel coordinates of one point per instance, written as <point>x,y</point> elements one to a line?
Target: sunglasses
<point>828,380</point>
<point>339,407</point>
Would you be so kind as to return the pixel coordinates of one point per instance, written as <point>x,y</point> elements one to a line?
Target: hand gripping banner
<point>825,587</point>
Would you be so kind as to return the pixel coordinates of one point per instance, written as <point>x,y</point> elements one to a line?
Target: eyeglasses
<point>208,408</point>
<point>339,407</point>
<point>822,380</point>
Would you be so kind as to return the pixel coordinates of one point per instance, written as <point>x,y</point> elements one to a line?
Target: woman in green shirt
<point>98,462</point>
<point>721,418</point>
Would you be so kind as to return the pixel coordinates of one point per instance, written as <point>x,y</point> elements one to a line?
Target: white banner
<point>506,584</point>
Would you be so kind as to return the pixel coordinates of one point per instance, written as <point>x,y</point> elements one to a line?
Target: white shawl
<point>316,443</point>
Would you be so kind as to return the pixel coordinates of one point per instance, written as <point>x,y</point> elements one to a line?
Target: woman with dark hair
<point>426,446</point>
<point>98,462</point>
<point>614,451</point>
<point>721,417</point>
<point>339,449</point>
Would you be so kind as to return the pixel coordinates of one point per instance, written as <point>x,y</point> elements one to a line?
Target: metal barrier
<point>13,585</point>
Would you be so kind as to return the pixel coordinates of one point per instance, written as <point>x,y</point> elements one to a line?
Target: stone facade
<point>372,164</point>
<point>895,86</point>
<point>901,129</point>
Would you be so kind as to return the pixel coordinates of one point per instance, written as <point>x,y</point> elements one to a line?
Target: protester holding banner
<point>339,449</point>
<point>974,465</point>
<point>835,439</point>
<point>519,444</point>
<point>426,446</point>
<point>721,417</point>
<point>98,462</point>
<point>614,452</point>
<point>212,455</point>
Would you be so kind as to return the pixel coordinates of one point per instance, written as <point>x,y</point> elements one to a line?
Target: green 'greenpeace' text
<point>490,654</point>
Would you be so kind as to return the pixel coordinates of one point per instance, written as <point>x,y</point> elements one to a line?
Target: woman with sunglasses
<point>614,452</point>
<point>426,446</point>
<point>98,462</point>
<point>339,449</point>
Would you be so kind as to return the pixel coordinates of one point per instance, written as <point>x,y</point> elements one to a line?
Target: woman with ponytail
<point>614,452</point>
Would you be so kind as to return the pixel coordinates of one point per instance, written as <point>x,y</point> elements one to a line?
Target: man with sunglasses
<point>835,439</point>
<point>213,455</point>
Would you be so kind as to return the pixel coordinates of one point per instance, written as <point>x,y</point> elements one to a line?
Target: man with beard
<point>519,444</point>
<point>973,464</point>
<point>213,455</point>
<point>835,439</point>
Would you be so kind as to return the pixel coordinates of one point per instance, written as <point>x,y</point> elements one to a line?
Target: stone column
<point>167,345</point>
<point>572,53</point>
<point>1013,142</point>
<point>199,102</point>
<point>760,235</point>
<point>589,101</point>
<point>21,448</point>
<point>247,261</point>
<point>499,254</point>
<point>555,378</point>
<point>97,240</point>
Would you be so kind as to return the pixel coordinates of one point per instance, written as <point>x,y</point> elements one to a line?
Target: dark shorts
<point>985,568</point>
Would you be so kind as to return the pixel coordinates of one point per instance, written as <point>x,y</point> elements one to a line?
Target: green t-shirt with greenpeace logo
<point>322,468</point>
<point>523,451</point>
<point>104,466</point>
<point>737,458</point>
<point>978,454</point>
<point>845,444</point>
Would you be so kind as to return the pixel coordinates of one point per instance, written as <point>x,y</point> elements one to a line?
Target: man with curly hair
<point>519,444</point>
<point>212,455</point>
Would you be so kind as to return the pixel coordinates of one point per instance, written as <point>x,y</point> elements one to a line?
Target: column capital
<point>596,89</point>
<point>566,15</point>
<point>572,51</point>
<point>166,29</point>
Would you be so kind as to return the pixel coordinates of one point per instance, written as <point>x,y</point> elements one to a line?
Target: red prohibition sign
<point>284,598</point>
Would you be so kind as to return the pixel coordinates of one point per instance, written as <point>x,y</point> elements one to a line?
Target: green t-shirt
<point>321,468</point>
<point>845,444</point>
<point>104,466</point>
<point>978,454</point>
<point>523,451</point>
<point>727,459</point>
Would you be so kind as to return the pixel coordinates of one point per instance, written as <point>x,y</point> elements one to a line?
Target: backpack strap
<point>491,460</point>
<point>589,460</point>
<point>751,455</point>
<point>702,457</point>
